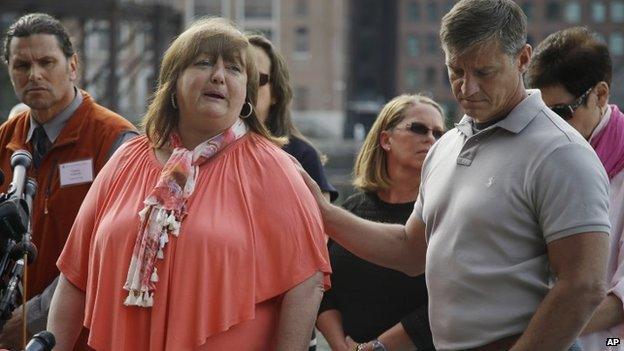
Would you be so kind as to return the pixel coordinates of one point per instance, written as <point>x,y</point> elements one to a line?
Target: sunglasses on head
<point>566,111</point>
<point>421,129</point>
<point>264,79</point>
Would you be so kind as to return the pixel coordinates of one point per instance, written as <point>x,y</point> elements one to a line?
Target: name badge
<point>77,172</point>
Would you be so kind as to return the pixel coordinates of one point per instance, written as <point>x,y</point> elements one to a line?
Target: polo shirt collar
<point>54,126</point>
<point>519,117</point>
<point>465,126</point>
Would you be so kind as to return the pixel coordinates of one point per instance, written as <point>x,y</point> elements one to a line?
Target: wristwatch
<point>378,346</point>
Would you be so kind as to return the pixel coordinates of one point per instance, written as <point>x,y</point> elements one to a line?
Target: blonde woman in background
<point>370,304</point>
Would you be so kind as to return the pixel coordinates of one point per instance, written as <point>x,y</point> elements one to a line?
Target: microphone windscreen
<point>42,341</point>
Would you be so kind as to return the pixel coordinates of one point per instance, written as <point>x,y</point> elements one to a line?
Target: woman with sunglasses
<point>577,88</point>
<point>378,307</point>
<point>273,109</point>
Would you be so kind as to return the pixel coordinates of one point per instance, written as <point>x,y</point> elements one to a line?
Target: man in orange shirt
<point>67,133</point>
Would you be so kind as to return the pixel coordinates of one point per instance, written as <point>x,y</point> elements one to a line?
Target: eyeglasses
<point>567,111</point>
<point>421,129</point>
<point>264,79</point>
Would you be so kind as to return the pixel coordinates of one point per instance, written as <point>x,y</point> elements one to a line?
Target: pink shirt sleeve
<point>290,239</point>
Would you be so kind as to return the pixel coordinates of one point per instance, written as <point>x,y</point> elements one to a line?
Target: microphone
<point>25,247</point>
<point>20,162</point>
<point>29,192</point>
<point>42,341</point>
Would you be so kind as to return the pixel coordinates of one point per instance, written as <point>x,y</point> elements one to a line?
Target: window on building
<point>616,44</point>
<point>258,8</point>
<point>553,10</point>
<point>301,98</point>
<point>98,38</point>
<point>432,11</point>
<point>302,40</point>
<point>527,8</point>
<point>413,11</point>
<point>412,79</point>
<point>301,8</point>
<point>432,44</point>
<point>572,12</point>
<point>617,11</point>
<point>598,11</point>
<point>430,76</point>
<point>413,46</point>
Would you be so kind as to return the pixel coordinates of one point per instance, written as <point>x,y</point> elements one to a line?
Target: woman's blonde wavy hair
<point>215,37</point>
<point>370,172</point>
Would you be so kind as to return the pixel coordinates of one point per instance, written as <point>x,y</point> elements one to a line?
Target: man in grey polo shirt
<point>510,200</point>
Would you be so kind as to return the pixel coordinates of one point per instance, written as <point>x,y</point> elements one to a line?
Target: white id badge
<point>77,172</point>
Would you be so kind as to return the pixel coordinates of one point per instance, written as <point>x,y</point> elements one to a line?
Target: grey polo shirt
<point>491,203</point>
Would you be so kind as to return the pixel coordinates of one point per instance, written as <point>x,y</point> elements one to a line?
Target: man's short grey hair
<point>471,23</point>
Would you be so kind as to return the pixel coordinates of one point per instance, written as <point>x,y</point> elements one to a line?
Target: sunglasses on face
<point>264,79</point>
<point>566,111</point>
<point>421,129</point>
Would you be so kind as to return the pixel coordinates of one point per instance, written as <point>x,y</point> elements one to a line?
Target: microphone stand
<point>29,251</point>
<point>16,247</point>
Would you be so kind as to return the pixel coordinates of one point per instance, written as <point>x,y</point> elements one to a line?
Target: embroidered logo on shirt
<point>490,182</point>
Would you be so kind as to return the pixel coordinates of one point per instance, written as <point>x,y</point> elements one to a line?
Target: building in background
<point>606,17</point>
<point>372,57</point>
<point>346,57</point>
<point>310,35</point>
<point>420,65</point>
<point>119,43</point>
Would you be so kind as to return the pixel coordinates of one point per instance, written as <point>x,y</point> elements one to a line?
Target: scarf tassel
<point>172,224</point>
<point>154,276</point>
<point>142,299</point>
<point>148,300</point>
<point>131,300</point>
<point>143,212</point>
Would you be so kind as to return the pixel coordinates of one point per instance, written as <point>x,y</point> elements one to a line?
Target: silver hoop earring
<point>246,115</point>
<point>173,103</point>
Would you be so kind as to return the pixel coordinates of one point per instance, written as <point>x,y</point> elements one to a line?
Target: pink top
<point>252,233</point>
<point>615,269</point>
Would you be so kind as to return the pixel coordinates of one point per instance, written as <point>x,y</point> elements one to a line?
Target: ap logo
<point>613,341</point>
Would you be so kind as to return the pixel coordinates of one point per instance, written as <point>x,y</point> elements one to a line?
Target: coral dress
<point>252,233</point>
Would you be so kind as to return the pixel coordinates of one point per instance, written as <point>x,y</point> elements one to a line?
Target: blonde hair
<point>370,172</point>
<point>213,36</point>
